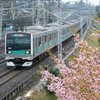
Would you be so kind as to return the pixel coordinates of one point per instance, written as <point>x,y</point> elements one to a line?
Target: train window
<point>62,32</point>
<point>50,36</point>
<point>56,35</point>
<point>18,43</point>
<point>42,38</point>
<point>45,38</point>
<point>39,41</point>
<point>65,31</point>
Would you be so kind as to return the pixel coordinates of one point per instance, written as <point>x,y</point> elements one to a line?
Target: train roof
<point>35,28</point>
<point>49,27</point>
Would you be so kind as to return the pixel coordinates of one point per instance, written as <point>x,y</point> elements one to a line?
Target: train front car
<point>18,49</point>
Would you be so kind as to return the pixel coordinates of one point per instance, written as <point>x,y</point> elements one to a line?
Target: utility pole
<point>44,15</point>
<point>13,11</point>
<point>87,12</point>
<point>33,13</point>
<point>59,31</point>
<point>1,13</point>
<point>81,17</point>
<point>38,13</point>
<point>99,5</point>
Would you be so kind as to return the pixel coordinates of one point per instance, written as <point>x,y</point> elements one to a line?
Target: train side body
<point>34,42</point>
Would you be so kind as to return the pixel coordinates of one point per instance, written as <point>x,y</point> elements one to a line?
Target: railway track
<point>9,75</point>
<point>2,59</point>
<point>2,47</point>
<point>7,72</point>
<point>2,56</point>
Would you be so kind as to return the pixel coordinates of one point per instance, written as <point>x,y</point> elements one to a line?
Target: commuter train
<point>23,47</point>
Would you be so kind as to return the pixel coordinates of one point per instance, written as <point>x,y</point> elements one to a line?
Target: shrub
<point>99,41</point>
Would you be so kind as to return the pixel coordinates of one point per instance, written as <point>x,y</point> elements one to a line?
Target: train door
<point>36,50</point>
<point>56,37</point>
<point>39,44</point>
<point>50,39</point>
<point>33,46</point>
<point>43,42</point>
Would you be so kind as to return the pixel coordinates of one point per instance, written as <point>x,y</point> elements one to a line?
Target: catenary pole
<point>1,13</point>
<point>81,17</point>
<point>59,31</point>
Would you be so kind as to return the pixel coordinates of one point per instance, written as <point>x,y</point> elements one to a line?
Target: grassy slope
<point>92,40</point>
<point>41,95</point>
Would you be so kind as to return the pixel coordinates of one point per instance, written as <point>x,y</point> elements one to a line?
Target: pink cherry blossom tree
<point>81,79</point>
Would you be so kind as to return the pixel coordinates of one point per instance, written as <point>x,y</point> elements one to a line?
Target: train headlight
<point>27,52</point>
<point>9,52</point>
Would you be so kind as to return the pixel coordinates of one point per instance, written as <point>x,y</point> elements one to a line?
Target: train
<point>23,47</point>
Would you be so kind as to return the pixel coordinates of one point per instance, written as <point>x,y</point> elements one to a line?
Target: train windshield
<point>18,42</point>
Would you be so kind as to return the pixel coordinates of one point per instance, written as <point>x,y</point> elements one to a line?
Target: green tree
<point>98,14</point>
<point>97,8</point>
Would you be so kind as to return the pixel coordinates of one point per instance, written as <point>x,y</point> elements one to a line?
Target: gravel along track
<point>9,75</point>
<point>2,54</point>
<point>4,69</point>
<point>2,48</point>
<point>6,73</point>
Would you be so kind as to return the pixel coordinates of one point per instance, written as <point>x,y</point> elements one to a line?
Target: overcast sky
<point>94,2</point>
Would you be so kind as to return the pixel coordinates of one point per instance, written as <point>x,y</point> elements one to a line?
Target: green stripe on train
<point>17,52</point>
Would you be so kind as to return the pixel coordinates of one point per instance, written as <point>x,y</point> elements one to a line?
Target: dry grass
<point>92,40</point>
<point>41,95</point>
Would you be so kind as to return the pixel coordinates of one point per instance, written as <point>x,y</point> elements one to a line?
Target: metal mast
<point>38,13</point>
<point>81,15</point>
<point>59,31</point>
<point>13,10</point>
<point>99,4</point>
<point>87,12</point>
<point>44,17</point>
<point>33,13</point>
<point>1,13</point>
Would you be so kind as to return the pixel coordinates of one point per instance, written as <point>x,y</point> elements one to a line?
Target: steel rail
<point>7,72</point>
<point>8,79</point>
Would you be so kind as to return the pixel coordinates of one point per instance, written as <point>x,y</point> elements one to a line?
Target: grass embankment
<point>92,40</point>
<point>42,95</point>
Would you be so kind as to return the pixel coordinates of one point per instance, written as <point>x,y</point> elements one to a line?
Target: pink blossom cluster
<point>95,35</point>
<point>81,79</point>
<point>98,21</point>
